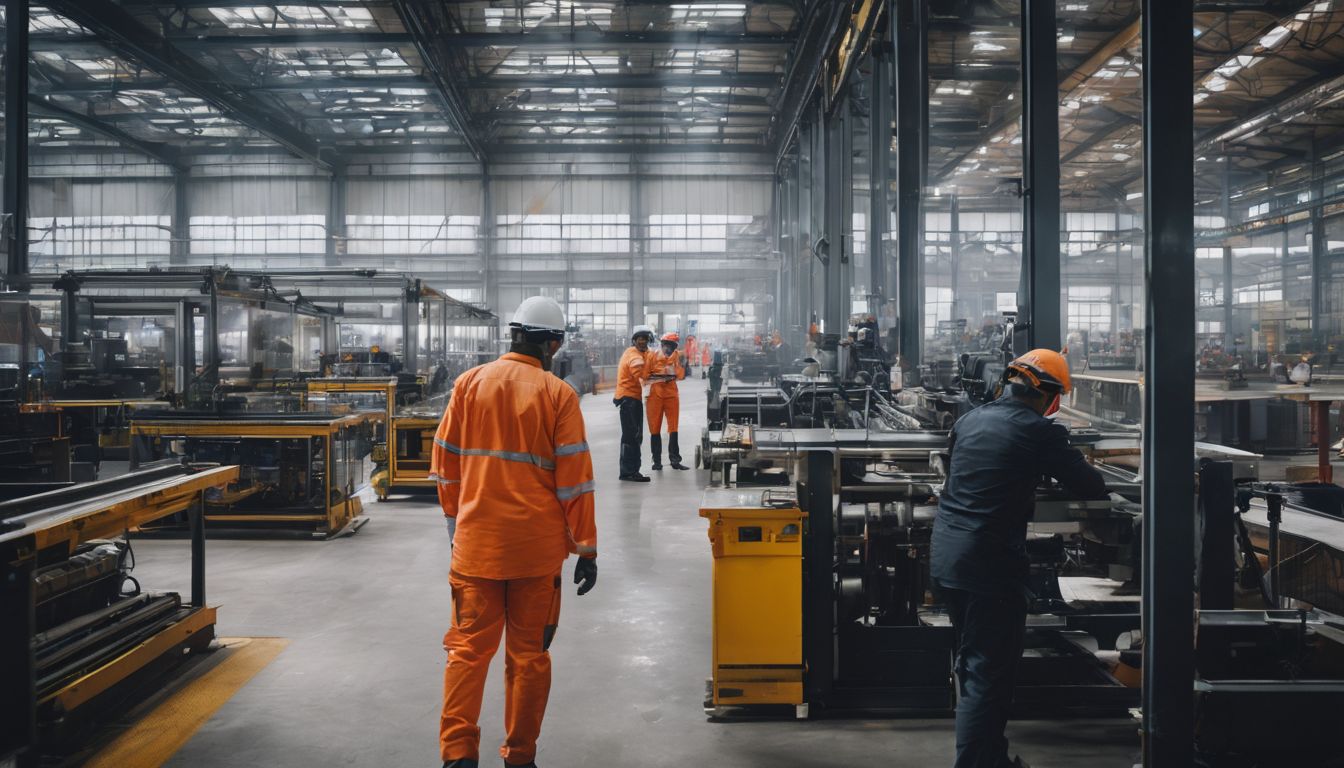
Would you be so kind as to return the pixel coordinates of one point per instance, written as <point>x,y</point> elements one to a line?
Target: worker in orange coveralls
<point>664,400</point>
<point>516,483</point>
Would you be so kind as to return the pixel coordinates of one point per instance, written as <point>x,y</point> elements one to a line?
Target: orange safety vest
<point>512,465</point>
<point>631,373</point>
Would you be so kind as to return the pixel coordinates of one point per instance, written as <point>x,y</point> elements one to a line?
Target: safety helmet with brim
<point>541,318</point>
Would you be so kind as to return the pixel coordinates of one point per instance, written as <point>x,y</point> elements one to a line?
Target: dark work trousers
<point>990,631</point>
<point>656,448</point>
<point>632,434</point>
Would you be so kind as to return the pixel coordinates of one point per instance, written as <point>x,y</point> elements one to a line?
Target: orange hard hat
<point>1044,369</point>
<point>672,336</point>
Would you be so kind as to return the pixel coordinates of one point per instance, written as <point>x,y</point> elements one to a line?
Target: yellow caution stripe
<point>158,735</point>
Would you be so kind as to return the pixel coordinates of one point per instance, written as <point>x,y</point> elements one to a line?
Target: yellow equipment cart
<point>758,599</point>
<point>80,634</point>
<point>412,440</point>
<point>302,470</point>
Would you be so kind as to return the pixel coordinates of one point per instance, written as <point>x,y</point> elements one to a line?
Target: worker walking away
<point>665,401</point>
<point>631,374</point>
<point>516,483</point>
<point>999,452</point>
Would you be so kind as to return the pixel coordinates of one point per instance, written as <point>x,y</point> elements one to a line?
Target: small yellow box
<point>758,598</point>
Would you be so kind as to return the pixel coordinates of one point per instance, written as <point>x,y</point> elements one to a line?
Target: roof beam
<point>819,37</point>
<point>164,153</point>
<point>568,40</point>
<point>127,36</point>
<point>541,116</point>
<point>426,30</point>
<point>1068,84</point>
<point>310,39</point>
<point>617,80</point>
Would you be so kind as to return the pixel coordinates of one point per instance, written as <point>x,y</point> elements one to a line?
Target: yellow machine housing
<point>758,598</point>
<point>335,469</point>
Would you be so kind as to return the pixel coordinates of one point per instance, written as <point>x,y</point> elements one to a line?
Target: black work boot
<point>656,446</point>
<point>674,452</point>
<point>462,763</point>
<point>532,764</point>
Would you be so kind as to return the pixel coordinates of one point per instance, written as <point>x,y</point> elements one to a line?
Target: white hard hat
<point>539,314</point>
<point>645,330</point>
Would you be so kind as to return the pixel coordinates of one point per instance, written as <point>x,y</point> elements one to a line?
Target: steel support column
<point>954,247</point>
<point>835,308</point>
<point>879,134</point>
<point>912,123</point>
<point>639,242</point>
<point>1038,299</point>
<point>180,248</point>
<point>1229,338</point>
<point>184,353</point>
<point>1168,410</point>
<point>210,358</point>
<point>1320,260</point>
<point>486,241</point>
<point>336,210</point>
<point>16,137</point>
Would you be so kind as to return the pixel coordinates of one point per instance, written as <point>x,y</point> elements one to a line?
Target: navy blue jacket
<point>1000,451</point>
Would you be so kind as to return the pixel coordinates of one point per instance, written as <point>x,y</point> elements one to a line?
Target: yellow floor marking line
<point>158,735</point>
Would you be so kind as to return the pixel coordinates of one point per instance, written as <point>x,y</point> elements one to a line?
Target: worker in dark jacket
<point>1000,452</point>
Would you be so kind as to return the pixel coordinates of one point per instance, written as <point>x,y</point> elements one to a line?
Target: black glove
<point>585,574</point>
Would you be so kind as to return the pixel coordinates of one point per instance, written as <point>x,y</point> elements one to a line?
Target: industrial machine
<point>296,471</point>
<point>874,638</point>
<point>1269,677</point>
<point>79,633</point>
<point>33,446</point>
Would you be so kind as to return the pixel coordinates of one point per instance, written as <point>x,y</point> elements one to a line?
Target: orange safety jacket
<point>631,373</point>
<point>667,364</point>
<point>512,465</point>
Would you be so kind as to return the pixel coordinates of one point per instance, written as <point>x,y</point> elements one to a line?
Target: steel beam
<point>163,153</point>
<point>818,37</point>
<point>1040,177</point>
<point>1090,66</point>
<point>617,80</point>
<point>551,40</point>
<point>912,130</point>
<point>1168,410</point>
<point>15,197</point>
<point>429,37</point>
<point>124,34</point>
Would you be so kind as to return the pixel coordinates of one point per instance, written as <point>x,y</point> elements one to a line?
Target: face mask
<point>668,349</point>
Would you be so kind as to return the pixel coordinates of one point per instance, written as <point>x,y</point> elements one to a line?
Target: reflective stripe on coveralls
<point>509,441</point>
<point>512,465</point>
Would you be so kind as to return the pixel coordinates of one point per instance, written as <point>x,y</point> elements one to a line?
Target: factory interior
<point>249,248</point>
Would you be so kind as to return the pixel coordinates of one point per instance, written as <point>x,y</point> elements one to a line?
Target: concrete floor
<point>359,684</point>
